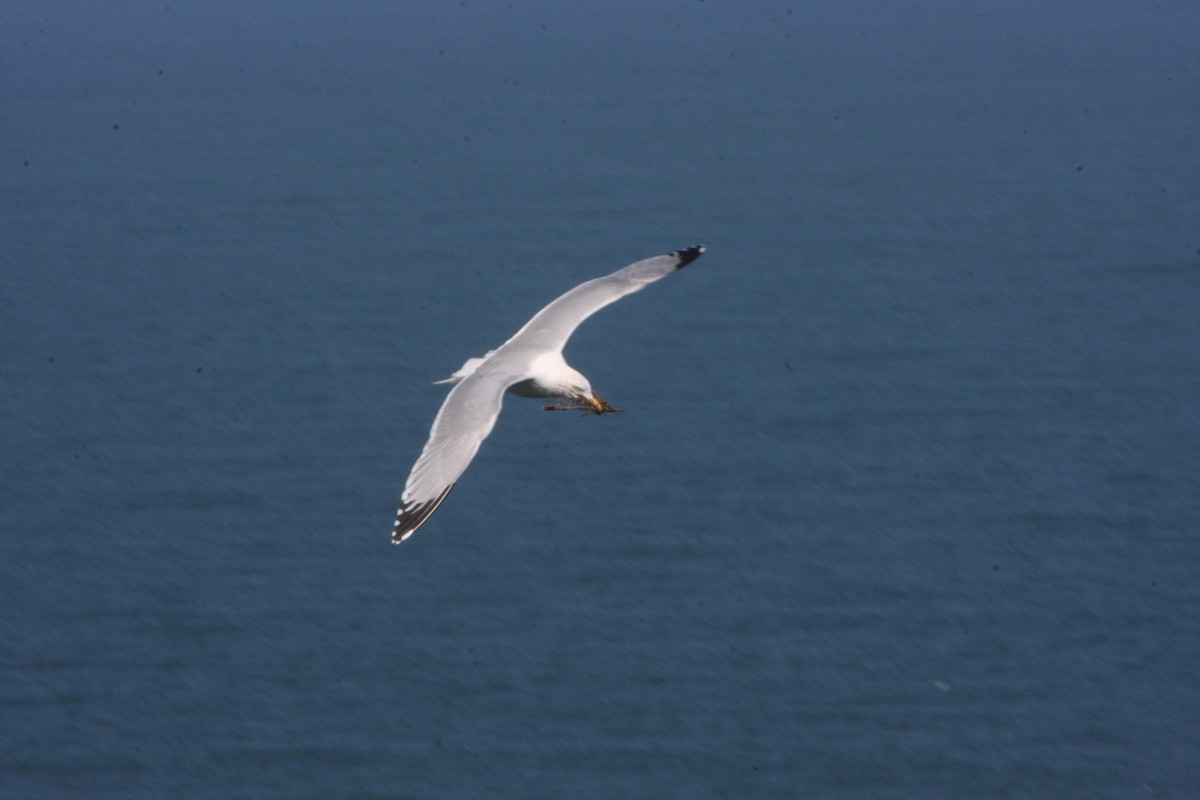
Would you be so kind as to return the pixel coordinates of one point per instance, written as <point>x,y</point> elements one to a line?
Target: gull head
<point>551,376</point>
<point>580,396</point>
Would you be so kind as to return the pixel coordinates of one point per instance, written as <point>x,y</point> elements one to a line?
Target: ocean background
<point>905,502</point>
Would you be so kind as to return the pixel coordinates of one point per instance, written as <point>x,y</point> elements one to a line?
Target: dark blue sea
<point>905,502</point>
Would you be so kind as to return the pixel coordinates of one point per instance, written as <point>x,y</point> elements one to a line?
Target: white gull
<point>530,364</point>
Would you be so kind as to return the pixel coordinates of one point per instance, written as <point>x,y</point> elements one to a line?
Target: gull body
<point>530,364</point>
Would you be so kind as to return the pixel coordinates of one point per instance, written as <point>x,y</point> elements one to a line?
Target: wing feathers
<point>688,255</point>
<point>410,516</point>
<point>551,327</point>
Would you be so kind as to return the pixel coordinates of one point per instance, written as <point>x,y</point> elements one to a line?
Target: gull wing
<point>551,327</point>
<point>466,418</point>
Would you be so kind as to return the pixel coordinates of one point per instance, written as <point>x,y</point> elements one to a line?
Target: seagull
<point>530,364</point>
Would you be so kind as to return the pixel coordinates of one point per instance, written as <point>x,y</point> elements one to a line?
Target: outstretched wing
<point>553,325</point>
<point>464,421</point>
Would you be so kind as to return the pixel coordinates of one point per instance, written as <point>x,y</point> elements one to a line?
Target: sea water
<point>904,502</point>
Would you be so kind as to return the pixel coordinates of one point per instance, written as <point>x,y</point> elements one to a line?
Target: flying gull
<point>530,364</point>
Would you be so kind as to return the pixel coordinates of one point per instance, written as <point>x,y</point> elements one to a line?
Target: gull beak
<point>588,404</point>
<point>598,405</point>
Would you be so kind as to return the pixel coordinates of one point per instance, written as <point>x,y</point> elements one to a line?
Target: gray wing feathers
<point>464,421</point>
<point>466,418</point>
<point>551,327</point>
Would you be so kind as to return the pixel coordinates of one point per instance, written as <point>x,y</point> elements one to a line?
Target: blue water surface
<point>905,502</point>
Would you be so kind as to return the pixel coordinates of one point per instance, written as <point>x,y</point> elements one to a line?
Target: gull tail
<point>466,369</point>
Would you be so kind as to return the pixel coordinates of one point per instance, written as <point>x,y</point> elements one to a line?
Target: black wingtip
<point>412,515</point>
<point>688,256</point>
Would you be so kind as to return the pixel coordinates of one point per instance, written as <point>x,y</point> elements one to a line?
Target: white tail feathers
<point>466,369</point>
